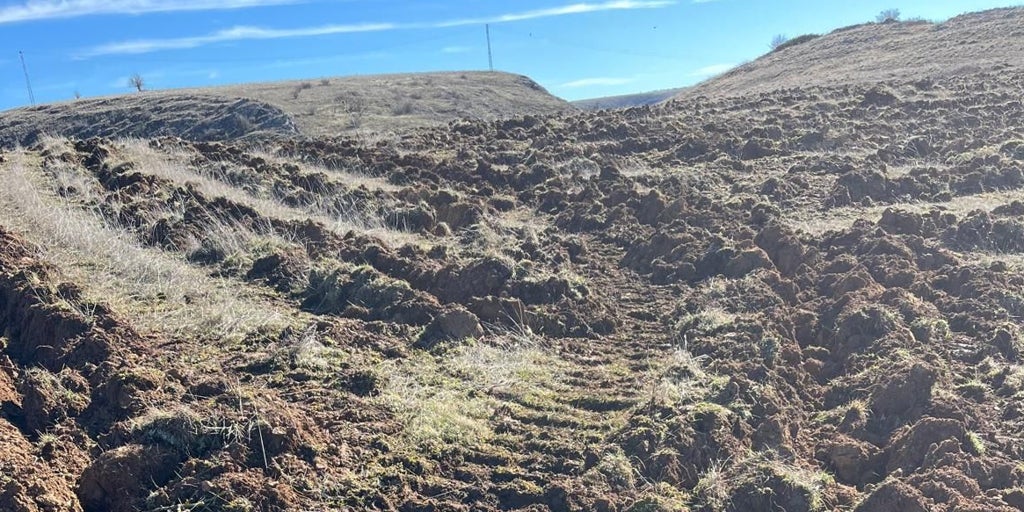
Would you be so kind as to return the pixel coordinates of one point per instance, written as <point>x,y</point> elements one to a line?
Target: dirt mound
<point>863,54</point>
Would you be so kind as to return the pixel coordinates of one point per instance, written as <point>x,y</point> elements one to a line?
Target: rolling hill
<point>988,41</point>
<point>321,107</point>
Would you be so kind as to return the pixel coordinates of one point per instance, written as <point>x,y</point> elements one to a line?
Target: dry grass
<point>891,51</point>
<point>349,177</point>
<point>450,399</point>
<point>174,166</point>
<point>361,106</point>
<point>382,103</point>
<point>818,222</point>
<point>678,378</point>
<point>162,293</point>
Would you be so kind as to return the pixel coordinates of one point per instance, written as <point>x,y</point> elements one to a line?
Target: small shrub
<point>137,82</point>
<point>325,81</point>
<point>975,443</point>
<point>299,88</point>
<point>888,16</point>
<point>778,41</point>
<point>789,43</point>
<point>402,109</point>
<point>243,123</point>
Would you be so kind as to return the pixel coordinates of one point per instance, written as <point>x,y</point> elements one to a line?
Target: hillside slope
<point>984,41</point>
<point>328,106</point>
<point>626,100</point>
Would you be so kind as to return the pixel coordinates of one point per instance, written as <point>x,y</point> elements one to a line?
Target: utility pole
<point>490,56</point>
<point>28,83</point>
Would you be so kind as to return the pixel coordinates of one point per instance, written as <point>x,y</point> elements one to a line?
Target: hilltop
<point>988,41</point>
<point>321,107</point>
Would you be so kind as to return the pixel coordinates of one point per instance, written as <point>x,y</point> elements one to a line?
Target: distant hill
<point>904,51</point>
<point>626,100</point>
<point>316,107</point>
<point>387,102</point>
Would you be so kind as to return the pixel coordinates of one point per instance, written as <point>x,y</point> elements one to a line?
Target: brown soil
<point>803,300</point>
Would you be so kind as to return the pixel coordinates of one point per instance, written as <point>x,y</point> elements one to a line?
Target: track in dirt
<point>806,299</point>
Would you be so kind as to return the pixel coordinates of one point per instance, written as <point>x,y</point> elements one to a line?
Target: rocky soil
<point>801,300</point>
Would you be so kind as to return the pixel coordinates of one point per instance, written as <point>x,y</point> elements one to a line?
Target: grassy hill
<point>988,41</point>
<point>322,107</point>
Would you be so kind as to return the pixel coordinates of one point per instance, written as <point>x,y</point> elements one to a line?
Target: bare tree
<point>888,15</point>
<point>137,82</point>
<point>778,41</point>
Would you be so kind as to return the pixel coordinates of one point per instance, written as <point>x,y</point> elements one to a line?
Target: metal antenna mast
<point>28,83</point>
<point>490,56</point>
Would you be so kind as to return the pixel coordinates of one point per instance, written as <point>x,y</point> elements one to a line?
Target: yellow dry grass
<point>160,292</point>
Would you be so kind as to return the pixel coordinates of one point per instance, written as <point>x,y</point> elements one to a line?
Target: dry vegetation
<point>807,299</point>
<point>366,105</point>
<point>874,52</point>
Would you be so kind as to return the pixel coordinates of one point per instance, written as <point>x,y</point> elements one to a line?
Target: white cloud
<point>596,81</point>
<point>578,8</point>
<point>228,35</point>
<point>712,70</point>
<point>243,33</point>
<point>48,9</point>
<point>456,49</point>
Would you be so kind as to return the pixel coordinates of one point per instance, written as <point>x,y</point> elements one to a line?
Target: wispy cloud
<point>243,33</point>
<point>33,10</point>
<point>596,81</point>
<point>565,10</point>
<point>712,70</point>
<point>228,35</point>
<point>456,49</point>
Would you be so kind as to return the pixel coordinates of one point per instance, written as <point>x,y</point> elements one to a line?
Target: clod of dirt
<point>905,394</point>
<point>286,271</point>
<point>910,448</point>
<point>772,489</point>
<point>49,398</point>
<point>854,462</point>
<point>365,293</point>
<point>452,324</point>
<point>894,496</point>
<point>120,478</point>
<point>878,97</point>
<point>480,278</point>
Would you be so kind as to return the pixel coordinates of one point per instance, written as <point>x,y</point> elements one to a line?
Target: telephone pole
<point>490,56</point>
<point>28,83</point>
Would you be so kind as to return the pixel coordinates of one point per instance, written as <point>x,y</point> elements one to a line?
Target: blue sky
<point>575,48</point>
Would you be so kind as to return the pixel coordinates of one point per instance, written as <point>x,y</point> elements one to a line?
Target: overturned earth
<point>806,299</point>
